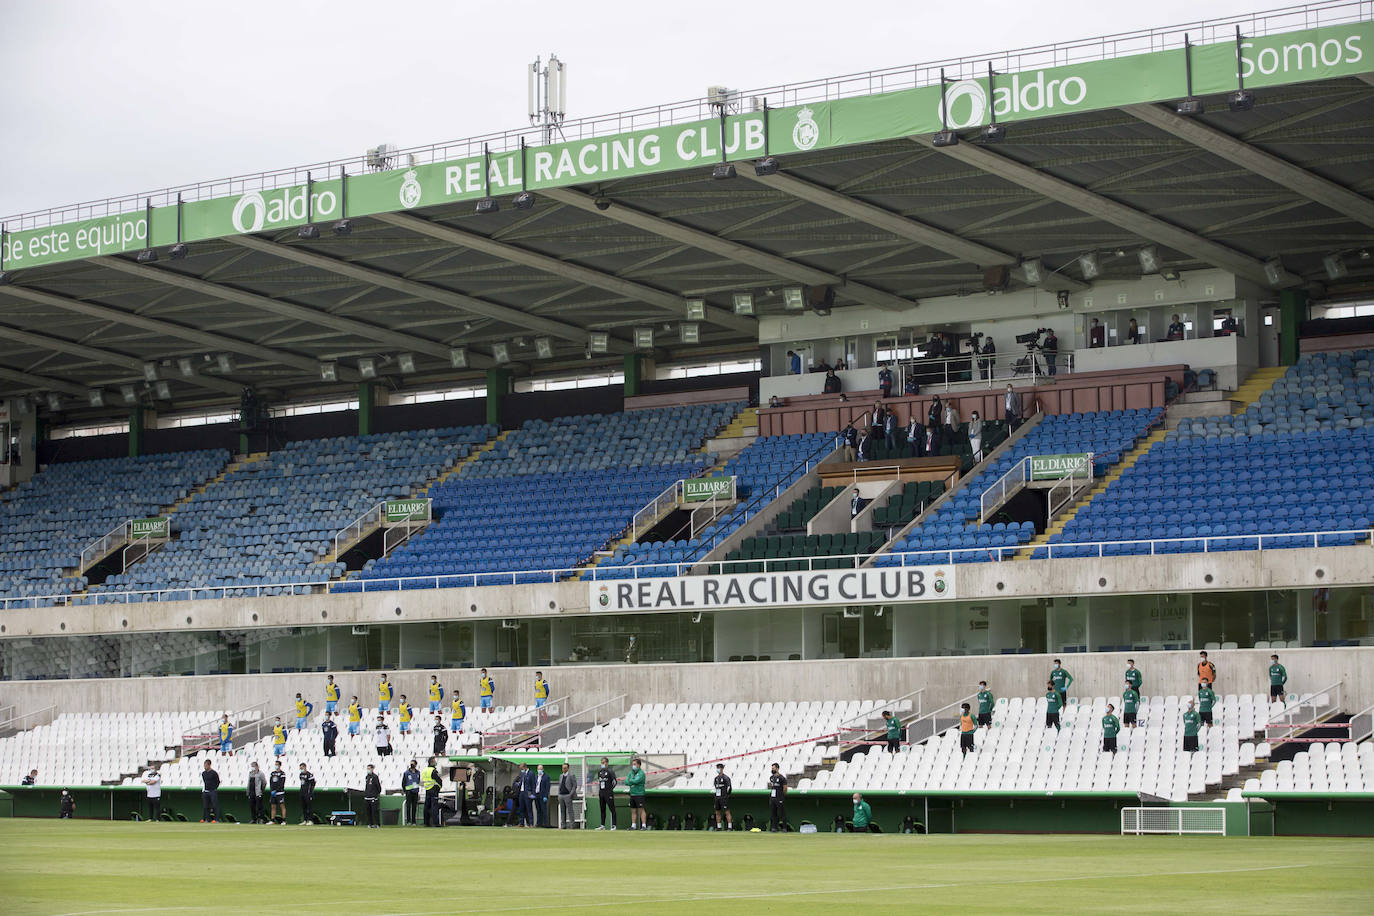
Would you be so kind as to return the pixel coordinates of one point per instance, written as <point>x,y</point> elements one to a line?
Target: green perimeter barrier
<point>119,803</point>
<point>1311,813</point>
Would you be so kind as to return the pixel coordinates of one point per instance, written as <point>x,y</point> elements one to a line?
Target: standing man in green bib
<point>863,816</point>
<point>894,732</point>
<point>1110,727</point>
<point>1052,706</point>
<point>1061,679</point>
<point>1278,680</point>
<point>634,782</point>
<point>985,701</point>
<point>1206,699</point>
<point>1130,700</point>
<point>1191,723</point>
<point>1133,676</point>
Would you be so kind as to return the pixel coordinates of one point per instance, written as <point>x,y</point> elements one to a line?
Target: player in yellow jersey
<point>436,693</point>
<point>384,696</point>
<point>486,691</point>
<point>355,718</point>
<point>331,695</point>
<point>458,713</point>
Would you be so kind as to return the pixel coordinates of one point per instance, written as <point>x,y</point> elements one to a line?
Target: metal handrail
<point>1285,724</point>
<point>872,82</point>
<point>1362,724</point>
<point>240,717</point>
<point>1073,479</point>
<point>608,573</point>
<point>1018,475</point>
<point>574,722</point>
<point>932,724</point>
<point>653,508</point>
<point>859,723</point>
<point>9,725</point>
<point>1025,368</point>
<point>104,544</point>
<point>353,531</point>
<point>505,727</point>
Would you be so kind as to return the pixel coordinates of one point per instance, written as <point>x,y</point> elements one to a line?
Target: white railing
<point>1016,477</point>
<point>354,531</point>
<point>937,720</point>
<point>1303,711</point>
<point>28,720</point>
<point>1066,489</point>
<point>943,374</point>
<point>872,82</point>
<point>104,545</point>
<point>1362,724</point>
<point>653,510</point>
<point>853,729</point>
<point>658,570</point>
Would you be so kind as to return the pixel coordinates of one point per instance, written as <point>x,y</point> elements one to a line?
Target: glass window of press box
<point>1275,618</point>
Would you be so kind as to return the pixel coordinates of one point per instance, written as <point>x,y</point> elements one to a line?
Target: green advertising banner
<point>699,489</point>
<point>157,528</point>
<point>1272,60</point>
<point>400,511</point>
<point>1053,467</point>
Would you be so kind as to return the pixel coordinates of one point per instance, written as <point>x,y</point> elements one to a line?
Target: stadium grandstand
<point>1050,370</point>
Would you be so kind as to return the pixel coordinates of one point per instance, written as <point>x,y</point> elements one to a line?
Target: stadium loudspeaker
<point>723,171</point>
<point>343,227</point>
<point>945,138</point>
<point>524,201</point>
<point>1191,107</point>
<point>994,133</point>
<point>146,256</point>
<point>766,166</point>
<point>308,233</point>
<point>996,278</point>
<point>487,205</point>
<point>179,251</point>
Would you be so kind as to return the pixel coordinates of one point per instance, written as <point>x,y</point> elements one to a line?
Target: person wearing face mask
<point>975,436</point>
<point>862,821</point>
<point>1206,671</point>
<point>1012,403</point>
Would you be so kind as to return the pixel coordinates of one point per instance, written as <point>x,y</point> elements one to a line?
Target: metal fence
<point>872,82</point>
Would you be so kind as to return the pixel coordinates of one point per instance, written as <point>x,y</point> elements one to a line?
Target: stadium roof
<point>628,223</point>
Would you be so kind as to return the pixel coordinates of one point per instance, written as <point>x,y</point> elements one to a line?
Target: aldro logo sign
<point>965,102</point>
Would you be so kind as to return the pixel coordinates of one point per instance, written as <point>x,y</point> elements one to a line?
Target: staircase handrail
<point>506,728</point>
<point>574,722</point>
<point>652,509</point>
<point>1082,471</point>
<point>239,718</point>
<point>1286,723</point>
<point>9,725</point>
<point>346,535</point>
<point>103,545</point>
<point>1362,724</point>
<point>1016,476</point>
<point>929,725</point>
<point>859,723</point>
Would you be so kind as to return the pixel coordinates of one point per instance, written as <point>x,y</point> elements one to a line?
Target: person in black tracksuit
<point>605,792</point>
<point>723,787</point>
<point>410,782</point>
<point>372,792</point>
<point>440,737</point>
<point>330,731</point>
<point>777,794</point>
<point>307,796</point>
<point>276,785</point>
<point>209,795</point>
<point>257,785</point>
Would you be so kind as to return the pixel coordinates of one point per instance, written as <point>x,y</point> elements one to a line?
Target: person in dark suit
<point>330,731</point>
<point>875,419</point>
<point>1097,335</point>
<point>524,787</point>
<point>890,430</point>
<point>1176,329</point>
<point>1012,404</point>
<point>832,383</point>
<point>850,437</point>
<point>936,414</point>
<point>372,793</point>
<point>885,381</point>
<point>989,357</point>
<point>915,436</point>
<point>541,797</point>
<point>1050,350</point>
<point>865,447</point>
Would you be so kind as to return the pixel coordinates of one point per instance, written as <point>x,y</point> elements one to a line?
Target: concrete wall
<point>945,679</point>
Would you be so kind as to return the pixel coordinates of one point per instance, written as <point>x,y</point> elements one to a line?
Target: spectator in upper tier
<point>1111,726</point>
<point>951,420</point>
<point>832,383</point>
<point>932,443</point>
<point>1012,404</point>
<point>794,363</point>
<point>975,436</point>
<point>1229,326</point>
<point>864,450</point>
<point>885,381</point>
<point>850,438</point>
<point>890,430</point>
<point>909,385</point>
<point>989,357</point>
<point>775,401</point>
<point>840,365</point>
<point>1050,350</point>
<point>1278,680</point>
<point>1133,332</point>
<point>1176,330</point>
<point>875,419</point>
<point>1206,699</point>
<point>856,503</point>
<point>1061,679</point>
<point>915,435</point>
<point>935,415</point>
<point>1097,335</point>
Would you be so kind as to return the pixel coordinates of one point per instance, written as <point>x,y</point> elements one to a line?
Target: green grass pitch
<point>92,867</point>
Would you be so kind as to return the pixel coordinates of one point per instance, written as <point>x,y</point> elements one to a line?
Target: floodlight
<point>1191,108</point>
<point>97,397</point>
<point>1033,271</point>
<point>696,309</point>
<point>1149,259</point>
<point>146,256</point>
<point>343,227</point>
<point>186,367</point>
<point>944,138</point>
<point>150,371</point>
<point>744,303</point>
<point>458,357</point>
<point>406,361</point>
<point>308,233</point>
<point>543,347</point>
<point>1170,273</point>
<point>367,367</point>
<point>599,341</point>
<point>793,299</point>
<point>1273,271</point>
<point>1241,100</point>
<point>994,133</point>
<point>644,338</point>
<point>329,371</point>
<point>54,401</point>
<point>224,362</point>
<point>163,390</point>
<point>1335,267</point>
<point>500,352</point>
<point>722,171</point>
<point>689,332</point>
<point>129,393</point>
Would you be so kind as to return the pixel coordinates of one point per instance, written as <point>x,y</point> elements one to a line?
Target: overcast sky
<point>111,97</point>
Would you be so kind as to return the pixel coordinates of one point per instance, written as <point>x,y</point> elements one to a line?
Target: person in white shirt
<point>153,780</point>
<point>381,736</point>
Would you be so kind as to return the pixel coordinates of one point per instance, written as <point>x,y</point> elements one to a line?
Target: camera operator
<point>1050,350</point>
<point>989,353</point>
